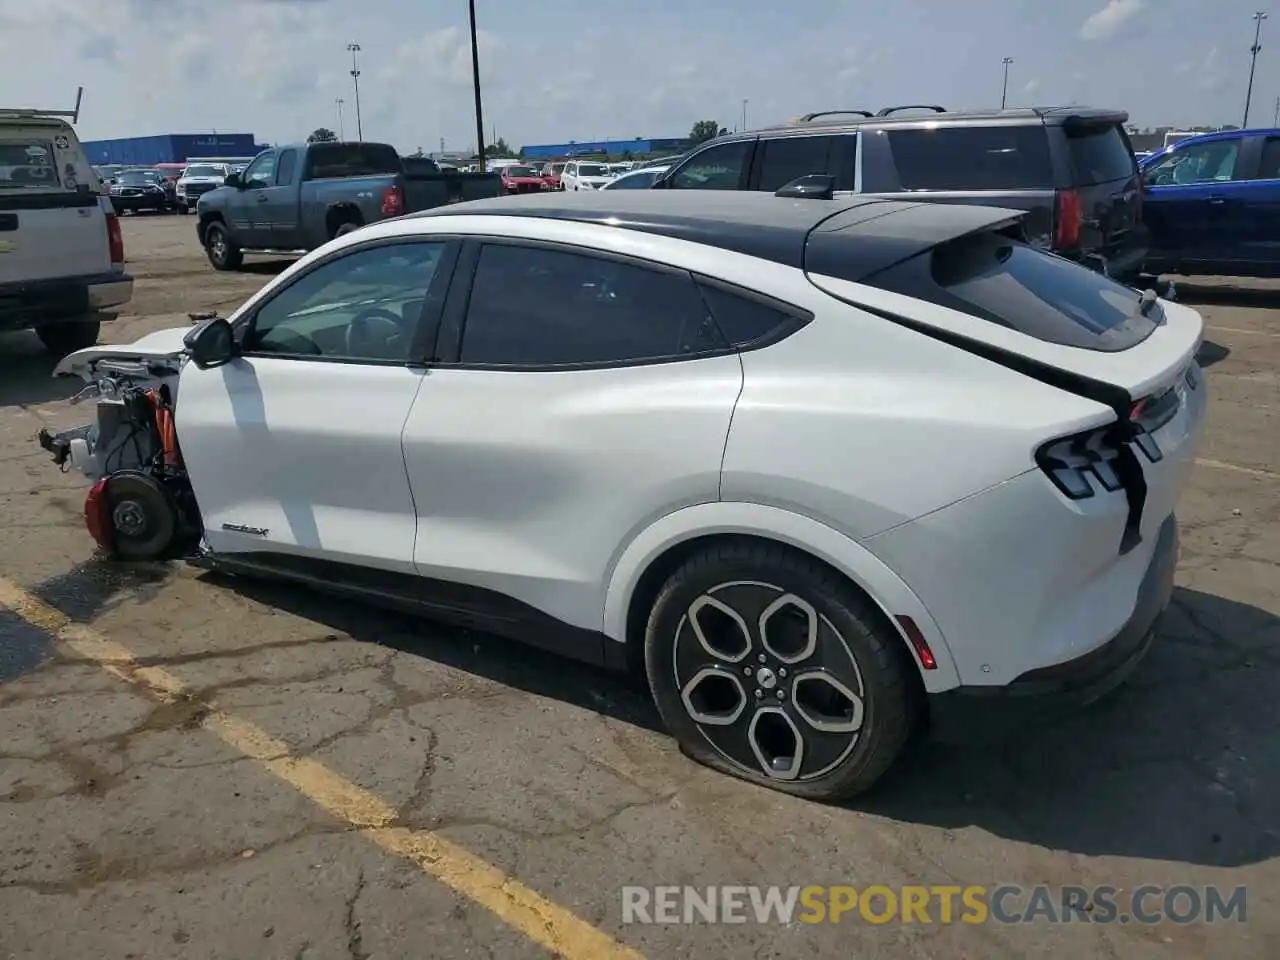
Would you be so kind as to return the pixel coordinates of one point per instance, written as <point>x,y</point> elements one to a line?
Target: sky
<point>556,70</point>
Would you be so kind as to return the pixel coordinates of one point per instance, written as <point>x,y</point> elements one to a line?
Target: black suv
<point>1072,167</point>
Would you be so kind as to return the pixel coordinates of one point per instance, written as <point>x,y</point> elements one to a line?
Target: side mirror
<point>816,186</point>
<point>211,344</point>
<point>233,180</point>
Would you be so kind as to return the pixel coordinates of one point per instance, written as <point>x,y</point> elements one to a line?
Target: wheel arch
<point>652,555</point>
<point>340,212</point>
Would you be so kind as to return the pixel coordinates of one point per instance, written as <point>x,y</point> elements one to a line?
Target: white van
<point>61,250</point>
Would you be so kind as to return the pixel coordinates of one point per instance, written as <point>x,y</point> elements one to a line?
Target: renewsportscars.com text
<point>945,904</point>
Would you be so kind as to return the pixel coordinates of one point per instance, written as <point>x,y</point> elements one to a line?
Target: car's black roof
<point>849,238</point>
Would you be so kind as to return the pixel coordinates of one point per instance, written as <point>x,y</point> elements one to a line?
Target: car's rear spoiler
<point>858,242</point>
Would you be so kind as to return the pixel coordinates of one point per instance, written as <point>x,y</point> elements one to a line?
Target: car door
<point>1258,210</point>
<point>580,397</point>
<point>294,447</point>
<point>280,210</point>
<point>250,217</point>
<point>1191,199</point>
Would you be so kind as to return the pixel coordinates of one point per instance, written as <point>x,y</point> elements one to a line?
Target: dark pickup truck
<point>301,196</point>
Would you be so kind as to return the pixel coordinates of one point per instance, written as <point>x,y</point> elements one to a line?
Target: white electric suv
<point>822,467</point>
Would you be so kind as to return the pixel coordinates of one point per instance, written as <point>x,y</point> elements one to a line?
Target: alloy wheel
<point>769,681</point>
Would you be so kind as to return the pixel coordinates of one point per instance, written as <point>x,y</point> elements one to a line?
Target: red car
<point>551,175</point>
<point>521,179</point>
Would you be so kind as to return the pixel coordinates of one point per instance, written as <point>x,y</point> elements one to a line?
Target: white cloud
<point>1032,86</point>
<point>1106,23</point>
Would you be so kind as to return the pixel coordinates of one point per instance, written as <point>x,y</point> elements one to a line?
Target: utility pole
<point>1258,17</point>
<point>1275,121</point>
<point>475,83</point>
<point>744,114</point>
<point>339,102</point>
<point>1004,88</point>
<point>354,49</point>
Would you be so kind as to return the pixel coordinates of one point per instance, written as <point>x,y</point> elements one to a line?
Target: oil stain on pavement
<point>23,647</point>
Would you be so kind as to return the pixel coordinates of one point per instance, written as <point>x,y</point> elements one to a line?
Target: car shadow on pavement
<point>26,373</point>
<point>1182,763</point>
<point>484,655</point>
<point>1211,353</point>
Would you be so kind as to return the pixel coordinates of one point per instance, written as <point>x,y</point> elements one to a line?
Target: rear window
<point>972,158</point>
<point>27,164</point>
<point>1099,153</point>
<point>1039,294</point>
<point>328,160</point>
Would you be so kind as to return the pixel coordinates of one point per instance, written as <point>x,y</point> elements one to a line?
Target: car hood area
<point>163,348</point>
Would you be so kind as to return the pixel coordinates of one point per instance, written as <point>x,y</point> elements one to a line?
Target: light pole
<point>744,114</point>
<point>354,49</point>
<point>475,83</point>
<point>1004,87</point>
<point>338,101</point>
<point>1253,62</point>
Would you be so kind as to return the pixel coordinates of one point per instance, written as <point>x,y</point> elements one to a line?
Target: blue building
<point>612,148</point>
<point>170,148</point>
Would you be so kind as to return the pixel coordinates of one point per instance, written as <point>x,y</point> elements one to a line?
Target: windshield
<point>520,172</point>
<point>592,170</point>
<point>138,177</point>
<point>27,164</point>
<point>203,170</point>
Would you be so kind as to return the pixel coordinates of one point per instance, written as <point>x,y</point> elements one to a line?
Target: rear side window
<point>1039,294</point>
<point>716,168</point>
<point>27,164</point>
<point>326,160</point>
<point>743,319</point>
<point>972,158</point>
<point>285,166</point>
<point>1099,153</point>
<point>1269,167</point>
<point>789,158</point>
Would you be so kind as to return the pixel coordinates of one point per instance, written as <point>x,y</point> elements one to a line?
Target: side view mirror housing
<point>211,344</point>
<point>233,180</point>
<point>816,186</point>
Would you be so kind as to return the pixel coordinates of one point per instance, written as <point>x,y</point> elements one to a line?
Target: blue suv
<point>1212,205</point>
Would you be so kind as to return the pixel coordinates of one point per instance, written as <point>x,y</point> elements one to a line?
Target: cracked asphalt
<point>135,822</point>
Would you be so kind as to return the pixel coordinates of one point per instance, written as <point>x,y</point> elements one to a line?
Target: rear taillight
<point>115,239</point>
<point>392,202</point>
<point>1084,464</point>
<point>1070,210</point>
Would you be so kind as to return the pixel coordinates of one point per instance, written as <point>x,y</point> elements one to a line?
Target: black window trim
<point>453,325</point>
<point>421,350</point>
<point>835,146</point>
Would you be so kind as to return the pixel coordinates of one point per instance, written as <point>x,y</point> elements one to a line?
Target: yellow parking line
<point>1234,468</point>
<point>521,908</point>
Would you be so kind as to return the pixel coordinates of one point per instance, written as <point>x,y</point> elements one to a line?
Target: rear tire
<point>817,705</point>
<point>221,249</point>
<point>69,336</point>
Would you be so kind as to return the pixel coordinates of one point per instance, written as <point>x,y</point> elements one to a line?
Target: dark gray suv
<point>1071,167</point>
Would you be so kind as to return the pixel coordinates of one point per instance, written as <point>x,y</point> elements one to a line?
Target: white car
<point>61,250</point>
<point>197,180</point>
<point>636,179</point>
<point>581,175</point>
<point>822,468</point>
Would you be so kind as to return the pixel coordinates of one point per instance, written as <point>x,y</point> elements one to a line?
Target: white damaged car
<point>822,468</point>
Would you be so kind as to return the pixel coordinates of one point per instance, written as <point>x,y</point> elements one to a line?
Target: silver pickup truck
<point>301,196</point>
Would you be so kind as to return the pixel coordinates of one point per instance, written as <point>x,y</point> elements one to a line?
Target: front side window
<point>716,168</point>
<point>365,305</point>
<point>262,171</point>
<point>972,158</point>
<point>1213,162</point>
<point>789,158</point>
<point>539,307</point>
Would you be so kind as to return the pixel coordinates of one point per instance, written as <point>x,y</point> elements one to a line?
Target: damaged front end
<point>140,506</point>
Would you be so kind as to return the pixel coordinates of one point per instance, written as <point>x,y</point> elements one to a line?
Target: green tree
<point>705,130</point>
<point>322,135</point>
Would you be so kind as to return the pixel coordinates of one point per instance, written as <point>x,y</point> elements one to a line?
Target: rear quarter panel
<point>316,197</point>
